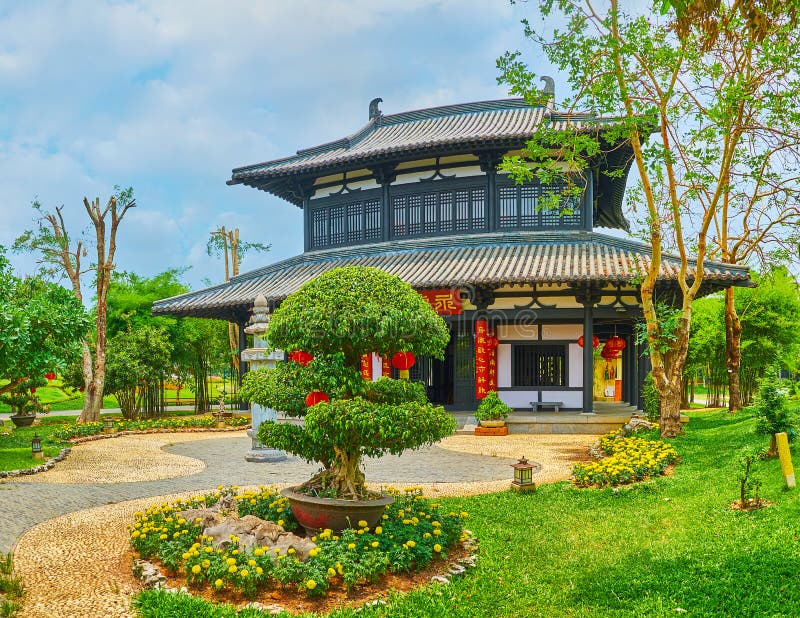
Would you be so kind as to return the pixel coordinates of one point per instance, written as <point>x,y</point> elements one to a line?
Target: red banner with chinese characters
<point>482,355</point>
<point>366,367</point>
<point>444,301</point>
<point>493,342</point>
<point>386,367</point>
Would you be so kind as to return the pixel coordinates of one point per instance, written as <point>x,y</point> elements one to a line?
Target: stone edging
<point>141,432</point>
<point>150,575</point>
<point>40,468</point>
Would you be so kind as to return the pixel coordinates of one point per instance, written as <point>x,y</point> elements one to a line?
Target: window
<point>538,365</point>
<point>347,223</point>
<point>522,207</point>
<point>432,212</point>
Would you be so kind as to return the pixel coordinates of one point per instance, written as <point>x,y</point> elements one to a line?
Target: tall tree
<point>59,256</point>
<point>688,93</point>
<point>226,243</point>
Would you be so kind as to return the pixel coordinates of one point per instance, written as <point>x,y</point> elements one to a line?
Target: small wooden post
<point>785,458</point>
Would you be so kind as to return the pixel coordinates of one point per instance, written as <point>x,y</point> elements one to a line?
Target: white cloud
<point>170,96</point>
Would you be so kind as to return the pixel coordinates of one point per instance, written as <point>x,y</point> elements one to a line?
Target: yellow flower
<point>218,583</point>
<point>259,571</point>
<point>258,551</point>
<point>196,568</point>
<point>378,530</point>
<point>206,564</point>
<point>231,561</point>
<point>374,543</point>
<point>290,551</point>
<point>244,573</point>
<point>362,523</point>
<point>412,543</point>
<point>185,555</point>
<point>311,584</point>
<point>437,548</point>
<point>208,549</point>
<point>331,572</point>
<point>437,532</point>
<point>232,569</point>
<point>351,546</point>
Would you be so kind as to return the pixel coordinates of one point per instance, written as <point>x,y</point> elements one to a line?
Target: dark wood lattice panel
<point>538,365</point>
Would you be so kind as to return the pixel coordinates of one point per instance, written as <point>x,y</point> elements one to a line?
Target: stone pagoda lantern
<point>257,357</point>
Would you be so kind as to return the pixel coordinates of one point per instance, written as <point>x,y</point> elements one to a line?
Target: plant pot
<point>23,420</point>
<point>316,514</point>
<point>493,423</point>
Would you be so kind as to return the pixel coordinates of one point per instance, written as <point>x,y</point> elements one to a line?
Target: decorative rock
<point>208,517</point>
<point>440,579</point>
<point>637,424</point>
<point>255,532</point>
<point>457,569</point>
<point>149,574</point>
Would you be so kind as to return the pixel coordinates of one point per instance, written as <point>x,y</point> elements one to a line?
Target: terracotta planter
<point>23,420</point>
<point>493,423</point>
<point>316,514</point>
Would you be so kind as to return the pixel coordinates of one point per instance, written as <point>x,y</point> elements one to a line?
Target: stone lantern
<point>257,357</point>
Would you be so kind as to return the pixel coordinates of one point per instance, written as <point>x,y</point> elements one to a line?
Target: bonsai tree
<point>772,412</point>
<point>23,400</point>
<point>338,317</point>
<point>492,408</point>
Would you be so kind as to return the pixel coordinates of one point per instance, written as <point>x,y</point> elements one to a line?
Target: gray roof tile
<point>485,259</point>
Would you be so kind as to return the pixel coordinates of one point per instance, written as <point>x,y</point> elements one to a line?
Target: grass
<point>11,589</point>
<point>661,548</point>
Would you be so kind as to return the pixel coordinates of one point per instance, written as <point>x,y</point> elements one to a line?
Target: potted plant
<point>492,411</point>
<point>24,403</point>
<point>328,325</point>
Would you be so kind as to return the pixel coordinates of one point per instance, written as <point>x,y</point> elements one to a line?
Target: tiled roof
<point>485,259</point>
<point>506,121</point>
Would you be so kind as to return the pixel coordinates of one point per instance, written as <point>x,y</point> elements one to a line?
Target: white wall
<point>458,172</point>
<point>570,332</point>
<point>575,365</point>
<point>503,365</point>
<point>522,399</point>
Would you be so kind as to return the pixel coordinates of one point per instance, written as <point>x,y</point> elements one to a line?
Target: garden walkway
<point>62,559</point>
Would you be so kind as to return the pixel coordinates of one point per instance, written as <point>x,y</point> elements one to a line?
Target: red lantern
<point>315,397</point>
<point>81,389</point>
<point>595,341</point>
<point>608,352</point>
<point>616,343</point>
<point>33,390</point>
<point>303,358</point>
<point>50,376</point>
<point>403,361</point>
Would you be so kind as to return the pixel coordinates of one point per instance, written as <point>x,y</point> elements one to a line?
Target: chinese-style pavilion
<point>522,287</point>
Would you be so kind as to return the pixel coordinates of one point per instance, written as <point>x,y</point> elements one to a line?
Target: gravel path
<point>76,530</point>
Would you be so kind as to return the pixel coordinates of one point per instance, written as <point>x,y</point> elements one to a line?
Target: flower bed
<point>79,430</point>
<point>413,532</point>
<point>627,459</point>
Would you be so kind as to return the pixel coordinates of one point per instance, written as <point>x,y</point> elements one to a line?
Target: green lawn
<point>655,549</point>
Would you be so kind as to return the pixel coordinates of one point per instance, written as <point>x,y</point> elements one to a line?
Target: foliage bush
<point>79,430</point>
<point>492,408</point>
<point>339,317</point>
<point>413,532</point>
<point>11,589</point>
<point>772,411</point>
<point>651,404</point>
<point>628,459</point>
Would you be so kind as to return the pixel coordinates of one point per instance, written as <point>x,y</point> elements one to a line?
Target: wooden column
<point>385,175</point>
<point>634,372</point>
<point>242,365</point>
<point>588,359</point>
<point>489,162</point>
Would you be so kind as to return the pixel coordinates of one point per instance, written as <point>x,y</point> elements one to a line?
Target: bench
<point>537,405</point>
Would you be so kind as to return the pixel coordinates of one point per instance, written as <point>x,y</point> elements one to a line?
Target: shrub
<point>749,483</point>
<point>492,408</point>
<point>772,413</point>
<point>80,430</point>
<point>628,459</point>
<point>413,532</point>
<point>339,317</point>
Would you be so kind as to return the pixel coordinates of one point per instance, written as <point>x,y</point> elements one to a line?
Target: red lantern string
<point>303,358</point>
<point>595,341</point>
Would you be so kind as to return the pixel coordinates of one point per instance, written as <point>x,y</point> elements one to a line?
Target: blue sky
<point>168,97</point>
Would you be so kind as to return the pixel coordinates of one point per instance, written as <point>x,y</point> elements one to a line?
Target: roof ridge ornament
<point>549,92</point>
<point>374,112</point>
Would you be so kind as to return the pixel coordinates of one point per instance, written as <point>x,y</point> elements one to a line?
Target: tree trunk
<point>733,353</point>
<point>345,475</point>
<point>86,415</point>
<point>671,411</point>
<point>772,451</point>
